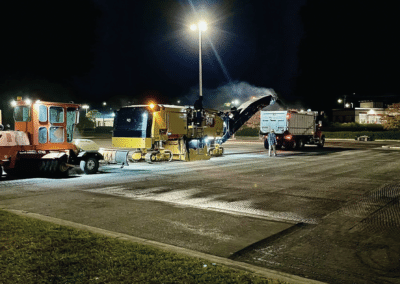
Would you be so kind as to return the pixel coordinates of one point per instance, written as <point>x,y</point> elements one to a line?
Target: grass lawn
<point>34,251</point>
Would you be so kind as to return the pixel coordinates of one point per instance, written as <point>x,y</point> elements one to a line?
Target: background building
<point>369,112</point>
<point>105,120</point>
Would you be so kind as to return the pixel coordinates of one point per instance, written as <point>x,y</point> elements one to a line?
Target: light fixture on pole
<point>201,26</point>
<point>85,107</point>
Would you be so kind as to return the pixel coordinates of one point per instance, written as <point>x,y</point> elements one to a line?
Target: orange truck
<point>42,141</point>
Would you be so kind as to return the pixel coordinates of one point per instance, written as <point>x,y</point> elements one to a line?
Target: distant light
<point>85,106</point>
<point>104,103</point>
<point>178,101</point>
<point>347,105</point>
<point>28,101</point>
<point>302,110</point>
<point>13,103</point>
<point>339,101</point>
<point>193,27</point>
<point>37,102</point>
<point>113,114</point>
<point>151,105</point>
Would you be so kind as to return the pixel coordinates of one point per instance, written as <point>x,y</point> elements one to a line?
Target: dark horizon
<point>310,52</point>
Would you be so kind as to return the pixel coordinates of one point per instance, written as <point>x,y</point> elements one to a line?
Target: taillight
<point>288,137</point>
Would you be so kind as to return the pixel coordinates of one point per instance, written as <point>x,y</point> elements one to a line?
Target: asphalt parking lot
<point>328,214</point>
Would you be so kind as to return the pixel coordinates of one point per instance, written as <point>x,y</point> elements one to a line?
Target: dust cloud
<point>217,98</point>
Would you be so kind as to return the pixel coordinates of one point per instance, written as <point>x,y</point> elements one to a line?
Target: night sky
<point>311,52</point>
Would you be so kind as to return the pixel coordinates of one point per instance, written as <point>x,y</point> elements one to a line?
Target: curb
<point>391,147</point>
<point>268,273</point>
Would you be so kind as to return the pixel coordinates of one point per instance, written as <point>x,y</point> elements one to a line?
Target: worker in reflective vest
<point>271,142</point>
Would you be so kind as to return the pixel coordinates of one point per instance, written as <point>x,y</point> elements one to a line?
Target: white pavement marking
<point>184,197</point>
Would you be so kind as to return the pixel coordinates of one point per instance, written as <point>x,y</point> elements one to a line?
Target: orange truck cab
<point>43,140</point>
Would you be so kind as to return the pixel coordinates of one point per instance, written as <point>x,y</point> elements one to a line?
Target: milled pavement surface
<point>364,226</point>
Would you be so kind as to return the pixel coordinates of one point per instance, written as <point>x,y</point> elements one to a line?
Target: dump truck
<point>42,141</point>
<point>160,132</point>
<point>294,129</point>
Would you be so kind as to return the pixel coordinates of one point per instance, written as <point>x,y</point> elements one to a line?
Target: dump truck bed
<point>295,123</point>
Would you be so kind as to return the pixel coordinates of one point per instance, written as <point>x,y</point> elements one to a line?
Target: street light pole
<point>202,26</point>
<point>200,66</point>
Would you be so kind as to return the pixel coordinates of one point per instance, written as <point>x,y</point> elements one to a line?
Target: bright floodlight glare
<point>152,105</point>
<point>13,103</point>
<point>85,106</point>
<point>193,27</point>
<point>28,101</point>
<point>202,25</point>
<point>347,105</point>
<point>339,101</point>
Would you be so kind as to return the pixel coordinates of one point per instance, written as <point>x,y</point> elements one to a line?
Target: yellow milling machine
<point>158,132</point>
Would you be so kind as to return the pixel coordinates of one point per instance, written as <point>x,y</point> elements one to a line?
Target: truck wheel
<point>295,144</point>
<point>53,166</point>
<point>266,145</point>
<point>45,167</point>
<point>62,169</point>
<point>90,165</point>
<point>321,143</point>
<point>301,144</point>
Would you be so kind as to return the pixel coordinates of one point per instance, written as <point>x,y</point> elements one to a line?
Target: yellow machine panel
<point>214,126</point>
<point>177,123</point>
<point>136,143</point>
